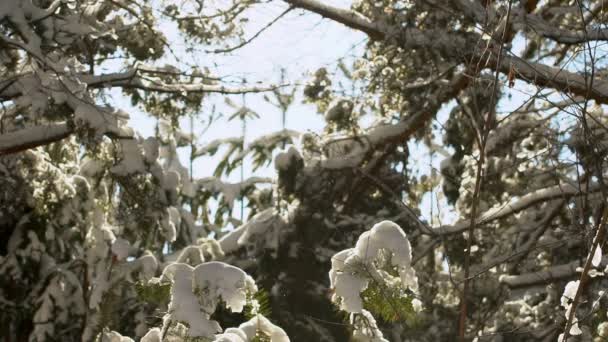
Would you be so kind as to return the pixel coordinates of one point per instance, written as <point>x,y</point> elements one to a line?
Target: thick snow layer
<point>352,269</point>
<point>597,257</point>
<point>113,336</point>
<point>261,323</point>
<point>268,143</point>
<point>146,265</point>
<point>132,160</point>
<point>265,226</point>
<point>212,147</point>
<point>247,331</point>
<point>154,335</point>
<point>366,328</point>
<point>566,301</point>
<point>230,191</point>
<point>196,292</point>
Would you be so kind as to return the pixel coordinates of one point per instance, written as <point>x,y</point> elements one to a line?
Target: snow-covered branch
<point>522,18</point>
<point>33,137</point>
<point>346,17</point>
<point>541,277</point>
<point>131,79</point>
<point>565,190</point>
<point>461,46</point>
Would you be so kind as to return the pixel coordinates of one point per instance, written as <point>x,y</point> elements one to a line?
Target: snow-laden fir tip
<point>248,331</point>
<point>346,275</point>
<point>196,292</point>
<point>353,269</point>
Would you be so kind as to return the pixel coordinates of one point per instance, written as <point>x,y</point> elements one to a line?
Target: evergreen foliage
<point>469,135</point>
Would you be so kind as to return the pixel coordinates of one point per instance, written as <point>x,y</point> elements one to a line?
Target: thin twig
<point>489,122</point>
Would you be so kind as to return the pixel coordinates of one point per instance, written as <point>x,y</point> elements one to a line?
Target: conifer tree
<point>107,235</point>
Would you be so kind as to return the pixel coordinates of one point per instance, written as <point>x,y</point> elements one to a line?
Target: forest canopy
<point>455,192</point>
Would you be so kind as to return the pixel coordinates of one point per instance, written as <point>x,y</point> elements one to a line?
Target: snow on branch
<point>230,191</point>
<point>249,331</point>
<point>458,45</point>
<point>196,292</point>
<point>516,205</point>
<point>377,268</point>
<point>195,295</point>
<point>352,19</point>
<point>520,17</point>
<point>212,147</point>
<point>133,80</point>
<point>351,152</point>
<point>546,276</point>
<point>31,137</point>
<point>267,224</point>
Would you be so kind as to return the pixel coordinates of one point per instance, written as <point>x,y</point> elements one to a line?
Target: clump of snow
<point>247,331</point>
<point>352,269</point>
<point>212,147</point>
<point>196,292</point>
<point>267,224</point>
<point>283,160</point>
<point>366,328</point>
<point>99,120</point>
<point>113,336</point>
<point>266,144</point>
<point>90,167</point>
<point>261,323</point>
<point>132,159</point>
<point>151,148</point>
<point>169,223</point>
<point>384,247</point>
<point>120,248</point>
<point>566,302</point>
<point>230,191</point>
<point>154,335</point>
<point>146,265</point>
<point>597,257</point>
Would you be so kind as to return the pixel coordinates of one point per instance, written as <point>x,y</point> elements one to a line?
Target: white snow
<point>132,160</point>
<point>113,336</point>
<point>284,159</point>
<point>247,331</point>
<point>153,335</point>
<point>352,269</point>
<point>120,248</point>
<point>366,328</point>
<point>197,291</point>
<point>230,191</point>
<point>261,323</point>
<point>566,301</point>
<point>597,257</point>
